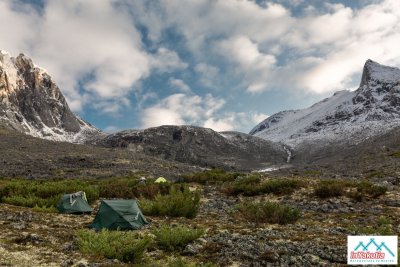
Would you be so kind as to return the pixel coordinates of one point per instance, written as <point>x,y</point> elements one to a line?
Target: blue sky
<point>224,64</point>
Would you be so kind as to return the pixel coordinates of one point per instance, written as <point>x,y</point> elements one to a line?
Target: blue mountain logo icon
<point>372,242</point>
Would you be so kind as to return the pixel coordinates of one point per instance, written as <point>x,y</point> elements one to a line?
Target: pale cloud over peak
<point>180,109</point>
<point>183,109</point>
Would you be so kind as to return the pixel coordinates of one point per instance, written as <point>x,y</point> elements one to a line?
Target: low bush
<point>30,200</point>
<point>124,246</point>
<point>132,188</point>
<point>395,154</point>
<point>269,212</point>
<point>335,188</point>
<point>253,185</point>
<point>180,202</point>
<point>211,176</point>
<point>312,173</point>
<point>43,193</point>
<point>248,185</point>
<point>376,174</point>
<point>382,226</point>
<point>281,186</point>
<point>175,238</point>
<point>330,188</point>
<point>370,189</point>
<point>50,209</point>
<point>181,263</point>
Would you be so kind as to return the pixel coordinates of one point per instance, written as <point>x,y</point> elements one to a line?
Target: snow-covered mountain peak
<point>32,103</point>
<point>374,72</point>
<point>347,116</point>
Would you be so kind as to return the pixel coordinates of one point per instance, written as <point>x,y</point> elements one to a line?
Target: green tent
<point>74,203</point>
<point>119,214</point>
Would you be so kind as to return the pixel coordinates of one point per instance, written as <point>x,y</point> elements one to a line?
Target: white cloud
<point>110,106</point>
<point>254,47</point>
<point>19,27</point>
<point>166,60</point>
<point>175,109</point>
<point>178,109</point>
<point>231,121</point>
<point>208,75</point>
<point>83,42</point>
<point>290,2</point>
<point>158,116</point>
<point>256,117</point>
<point>219,125</point>
<point>319,51</point>
<point>180,85</point>
<point>182,109</point>
<point>250,61</point>
<point>112,129</point>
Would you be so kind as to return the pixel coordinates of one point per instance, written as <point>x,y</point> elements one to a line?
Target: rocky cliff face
<point>31,102</point>
<point>349,117</point>
<point>201,146</point>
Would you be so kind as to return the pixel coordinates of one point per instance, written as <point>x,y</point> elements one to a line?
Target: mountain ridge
<point>30,102</point>
<point>345,117</point>
<point>201,146</point>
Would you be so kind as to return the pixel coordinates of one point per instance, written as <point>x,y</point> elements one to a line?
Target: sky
<point>221,64</point>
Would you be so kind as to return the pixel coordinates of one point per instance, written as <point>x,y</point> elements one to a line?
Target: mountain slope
<point>201,146</point>
<point>31,102</point>
<point>348,117</point>
<point>29,157</point>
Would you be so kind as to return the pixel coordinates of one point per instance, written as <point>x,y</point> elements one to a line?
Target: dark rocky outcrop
<point>201,146</point>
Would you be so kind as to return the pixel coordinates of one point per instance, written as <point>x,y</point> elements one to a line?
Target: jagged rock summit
<point>31,102</point>
<point>346,117</point>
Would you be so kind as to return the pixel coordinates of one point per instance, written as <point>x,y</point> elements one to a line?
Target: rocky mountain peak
<point>347,116</point>
<point>32,103</point>
<point>375,72</point>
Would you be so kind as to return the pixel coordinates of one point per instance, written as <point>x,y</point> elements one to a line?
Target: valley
<point>231,236</point>
<point>286,194</point>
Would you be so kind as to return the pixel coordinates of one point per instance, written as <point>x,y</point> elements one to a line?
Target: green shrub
<point>132,188</point>
<point>180,202</point>
<point>253,185</point>
<point>312,173</point>
<point>30,201</point>
<point>269,212</point>
<point>395,154</point>
<point>335,188</point>
<point>382,226</point>
<point>330,188</point>
<point>370,189</point>
<point>124,246</point>
<point>181,263</point>
<point>281,186</point>
<point>376,174</point>
<point>176,238</point>
<point>43,193</point>
<point>211,176</point>
<point>50,209</point>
